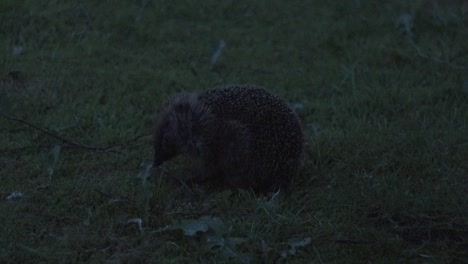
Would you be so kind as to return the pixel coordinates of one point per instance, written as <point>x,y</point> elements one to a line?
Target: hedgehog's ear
<point>182,107</point>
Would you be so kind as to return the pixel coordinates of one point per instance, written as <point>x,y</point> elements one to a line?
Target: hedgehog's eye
<point>165,123</point>
<point>168,137</point>
<point>165,138</point>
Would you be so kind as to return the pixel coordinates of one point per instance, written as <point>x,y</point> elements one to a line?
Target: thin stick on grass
<point>115,197</point>
<point>107,149</point>
<point>64,140</point>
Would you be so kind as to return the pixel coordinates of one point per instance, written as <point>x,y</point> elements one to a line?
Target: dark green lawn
<point>381,88</point>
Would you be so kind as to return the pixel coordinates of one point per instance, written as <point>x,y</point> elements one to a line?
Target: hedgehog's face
<point>166,145</point>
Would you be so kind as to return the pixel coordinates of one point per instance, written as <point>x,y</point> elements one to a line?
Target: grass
<point>381,88</point>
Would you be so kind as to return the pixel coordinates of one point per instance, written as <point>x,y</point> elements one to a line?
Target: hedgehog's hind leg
<point>235,155</point>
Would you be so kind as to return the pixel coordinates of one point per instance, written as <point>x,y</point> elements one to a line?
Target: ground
<point>381,88</point>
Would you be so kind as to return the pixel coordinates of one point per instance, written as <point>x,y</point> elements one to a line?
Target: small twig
<point>107,149</point>
<point>345,241</point>
<point>217,53</point>
<point>138,137</point>
<point>351,241</point>
<point>115,197</point>
<point>229,214</point>
<point>55,136</point>
<point>133,139</point>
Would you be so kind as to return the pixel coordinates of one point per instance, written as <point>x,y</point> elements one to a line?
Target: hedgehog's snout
<point>156,163</point>
<point>158,158</point>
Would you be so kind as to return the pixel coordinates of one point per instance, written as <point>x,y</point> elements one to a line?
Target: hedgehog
<point>242,135</point>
